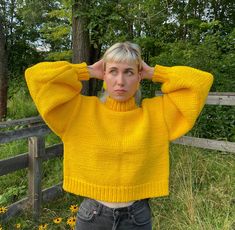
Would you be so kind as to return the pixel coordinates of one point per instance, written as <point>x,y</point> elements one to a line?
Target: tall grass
<point>201,191</point>
<point>20,105</point>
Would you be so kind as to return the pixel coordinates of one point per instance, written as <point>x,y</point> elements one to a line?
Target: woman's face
<point>122,80</point>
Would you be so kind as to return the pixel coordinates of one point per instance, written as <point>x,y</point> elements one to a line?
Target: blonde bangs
<point>125,52</point>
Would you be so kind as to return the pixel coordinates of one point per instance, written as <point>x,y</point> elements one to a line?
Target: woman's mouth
<point>120,91</point>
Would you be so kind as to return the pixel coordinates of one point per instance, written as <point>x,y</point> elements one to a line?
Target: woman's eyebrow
<point>113,67</point>
<point>127,69</point>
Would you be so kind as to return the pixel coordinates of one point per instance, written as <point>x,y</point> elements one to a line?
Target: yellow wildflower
<point>18,226</point>
<point>71,221</point>
<point>74,208</point>
<point>42,226</point>
<point>1,227</point>
<point>57,220</point>
<point>3,209</point>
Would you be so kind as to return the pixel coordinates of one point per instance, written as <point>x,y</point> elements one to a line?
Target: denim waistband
<point>95,205</point>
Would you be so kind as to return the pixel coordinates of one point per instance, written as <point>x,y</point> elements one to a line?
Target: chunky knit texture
<point>116,151</point>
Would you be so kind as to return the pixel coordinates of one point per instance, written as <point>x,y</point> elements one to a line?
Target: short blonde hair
<point>124,52</point>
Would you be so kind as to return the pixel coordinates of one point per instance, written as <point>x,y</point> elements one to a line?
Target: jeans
<point>93,215</point>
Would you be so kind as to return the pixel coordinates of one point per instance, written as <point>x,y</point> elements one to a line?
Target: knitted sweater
<point>116,151</point>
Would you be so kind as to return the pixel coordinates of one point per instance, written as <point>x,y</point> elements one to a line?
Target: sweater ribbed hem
<point>116,194</point>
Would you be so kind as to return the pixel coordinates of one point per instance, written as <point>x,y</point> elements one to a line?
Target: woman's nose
<point>120,80</point>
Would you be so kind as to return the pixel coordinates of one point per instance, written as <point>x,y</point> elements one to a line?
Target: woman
<point>115,152</point>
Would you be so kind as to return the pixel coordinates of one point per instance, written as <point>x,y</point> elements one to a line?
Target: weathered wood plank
<point>224,146</point>
<point>13,164</point>
<point>221,100</point>
<point>14,209</point>
<point>216,98</point>
<point>222,93</point>
<point>53,151</point>
<point>23,121</point>
<point>211,93</point>
<point>18,162</point>
<point>52,192</point>
<point>36,150</point>
<point>38,130</point>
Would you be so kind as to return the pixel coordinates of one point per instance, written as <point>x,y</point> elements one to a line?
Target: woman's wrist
<point>96,70</point>
<point>150,73</point>
<point>147,71</point>
<point>90,71</point>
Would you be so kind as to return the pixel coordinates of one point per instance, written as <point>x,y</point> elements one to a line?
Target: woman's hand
<point>97,70</point>
<point>147,71</point>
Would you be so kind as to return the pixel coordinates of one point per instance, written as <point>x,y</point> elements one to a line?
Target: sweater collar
<point>120,106</point>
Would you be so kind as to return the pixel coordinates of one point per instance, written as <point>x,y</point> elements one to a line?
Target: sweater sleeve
<point>185,90</point>
<point>55,88</point>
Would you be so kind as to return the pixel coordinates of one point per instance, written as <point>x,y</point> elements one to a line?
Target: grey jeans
<point>93,215</point>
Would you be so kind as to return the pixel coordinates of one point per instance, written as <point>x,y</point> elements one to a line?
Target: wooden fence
<point>35,130</point>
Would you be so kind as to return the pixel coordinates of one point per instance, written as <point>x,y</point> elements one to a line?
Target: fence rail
<point>216,98</point>
<point>35,130</point>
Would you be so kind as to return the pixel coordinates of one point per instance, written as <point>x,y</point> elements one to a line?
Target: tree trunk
<point>3,74</point>
<point>80,37</point>
<point>94,57</point>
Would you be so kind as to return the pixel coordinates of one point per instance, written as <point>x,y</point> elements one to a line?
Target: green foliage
<point>10,195</point>
<point>56,56</point>
<point>216,122</point>
<point>215,54</point>
<point>21,105</point>
<point>10,149</point>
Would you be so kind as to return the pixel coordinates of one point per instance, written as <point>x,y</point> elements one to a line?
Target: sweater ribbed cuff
<point>160,72</point>
<point>82,71</point>
<point>116,193</point>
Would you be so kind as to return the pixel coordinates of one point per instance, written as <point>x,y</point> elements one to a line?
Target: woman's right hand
<point>147,71</point>
<point>97,70</point>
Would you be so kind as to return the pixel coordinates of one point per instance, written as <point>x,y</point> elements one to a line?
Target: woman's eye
<point>130,73</point>
<point>113,72</point>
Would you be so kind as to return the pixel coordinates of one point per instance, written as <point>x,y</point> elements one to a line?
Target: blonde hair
<point>123,52</point>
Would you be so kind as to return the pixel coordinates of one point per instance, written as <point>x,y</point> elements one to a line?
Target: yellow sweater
<point>116,151</point>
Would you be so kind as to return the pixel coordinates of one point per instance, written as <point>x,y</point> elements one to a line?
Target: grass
<point>201,186</point>
<point>201,191</point>
<point>16,182</point>
<point>20,105</point>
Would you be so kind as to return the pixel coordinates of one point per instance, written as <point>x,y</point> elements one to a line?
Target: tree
<point>3,73</point>
<point>80,37</point>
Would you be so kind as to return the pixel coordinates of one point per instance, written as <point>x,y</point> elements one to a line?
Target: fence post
<point>36,151</point>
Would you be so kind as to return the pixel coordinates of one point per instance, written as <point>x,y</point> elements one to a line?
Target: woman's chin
<point>120,98</point>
